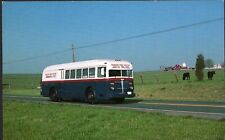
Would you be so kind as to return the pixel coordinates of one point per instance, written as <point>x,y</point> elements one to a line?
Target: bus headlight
<point>131,87</point>
<point>112,88</point>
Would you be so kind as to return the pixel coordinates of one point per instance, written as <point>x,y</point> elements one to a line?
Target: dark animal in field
<point>186,76</point>
<point>210,74</point>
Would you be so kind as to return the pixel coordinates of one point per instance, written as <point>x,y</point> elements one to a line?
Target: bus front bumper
<point>124,95</point>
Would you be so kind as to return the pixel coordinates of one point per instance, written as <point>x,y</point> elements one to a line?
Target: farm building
<point>183,66</point>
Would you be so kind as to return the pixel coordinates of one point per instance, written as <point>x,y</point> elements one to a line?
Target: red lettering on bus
<point>127,66</point>
<point>50,75</point>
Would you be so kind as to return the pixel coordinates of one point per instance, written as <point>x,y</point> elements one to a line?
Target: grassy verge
<point>21,84</point>
<point>57,121</point>
<point>22,92</point>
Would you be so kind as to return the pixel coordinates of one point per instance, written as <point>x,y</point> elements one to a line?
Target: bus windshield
<point>119,73</point>
<point>127,73</point>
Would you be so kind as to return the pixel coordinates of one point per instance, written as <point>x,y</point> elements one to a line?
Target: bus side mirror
<point>102,71</point>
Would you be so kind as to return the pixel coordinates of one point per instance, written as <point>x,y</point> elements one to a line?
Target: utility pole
<point>73,51</point>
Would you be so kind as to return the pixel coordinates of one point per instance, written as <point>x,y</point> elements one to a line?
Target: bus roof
<point>90,63</point>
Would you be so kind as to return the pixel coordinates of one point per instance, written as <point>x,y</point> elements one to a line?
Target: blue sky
<point>37,28</point>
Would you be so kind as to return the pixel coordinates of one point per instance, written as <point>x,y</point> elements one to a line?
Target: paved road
<point>211,110</point>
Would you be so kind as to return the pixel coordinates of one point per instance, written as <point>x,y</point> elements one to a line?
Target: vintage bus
<point>90,81</point>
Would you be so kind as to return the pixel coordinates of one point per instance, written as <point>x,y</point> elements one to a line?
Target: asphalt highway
<point>209,110</point>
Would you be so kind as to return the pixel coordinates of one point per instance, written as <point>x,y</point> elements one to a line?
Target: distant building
<point>217,66</point>
<point>177,67</point>
<point>183,66</point>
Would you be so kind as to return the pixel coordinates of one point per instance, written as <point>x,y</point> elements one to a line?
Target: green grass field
<point>35,121</point>
<point>164,85</point>
<point>157,85</point>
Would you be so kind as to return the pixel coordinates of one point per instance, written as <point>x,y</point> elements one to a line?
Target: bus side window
<point>72,74</point>
<point>101,71</point>
<point>78,74</point>
<point>91,72</point>
<point>85,73</point>
<point>67,74</point>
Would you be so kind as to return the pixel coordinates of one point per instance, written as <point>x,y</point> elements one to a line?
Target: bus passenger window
<point>85,73</point>
<point>91,72</point>
<point>72,74</point>
<point>67,74</point>
<point>78,74</point>
<point>101,71</point>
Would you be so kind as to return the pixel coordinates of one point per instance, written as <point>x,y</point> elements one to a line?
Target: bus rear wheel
<point>90,96</point>
<point>54,95</point>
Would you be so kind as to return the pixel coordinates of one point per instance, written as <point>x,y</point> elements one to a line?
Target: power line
<point>38,56</point>
<point>121,39</point>
<point>151,33</point>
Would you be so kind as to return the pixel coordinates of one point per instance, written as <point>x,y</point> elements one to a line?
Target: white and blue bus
<point>89,81</point>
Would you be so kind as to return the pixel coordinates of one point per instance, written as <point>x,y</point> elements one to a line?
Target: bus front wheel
<point>53,95</point>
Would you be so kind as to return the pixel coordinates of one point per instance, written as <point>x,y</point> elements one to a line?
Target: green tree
<point>199,72</point>
<point>209,63</point>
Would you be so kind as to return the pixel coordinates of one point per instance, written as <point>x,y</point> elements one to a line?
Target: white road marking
<point>163,110</point>
<point>22,96</point>
<point>177,104</point>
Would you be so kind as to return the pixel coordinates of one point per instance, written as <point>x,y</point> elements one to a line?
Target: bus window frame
<point>66,74</point>
<point>99,75</point>
<point>80,76</point>
<point>74,74</point>
<point>62,74</point>
<point>86,76</point>
<point>93,75</point>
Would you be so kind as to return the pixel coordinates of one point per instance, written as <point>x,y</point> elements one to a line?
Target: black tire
<point>119,100</point>
<point>90,96</point>
<point>54,95</point>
